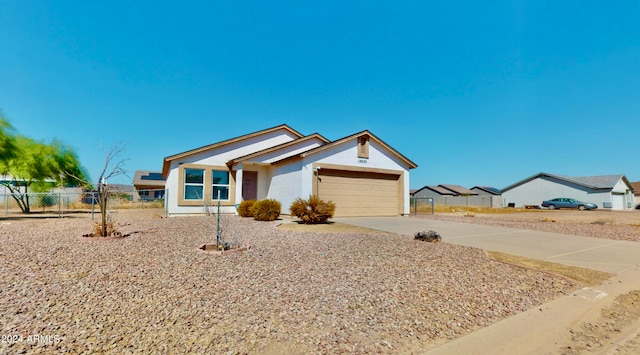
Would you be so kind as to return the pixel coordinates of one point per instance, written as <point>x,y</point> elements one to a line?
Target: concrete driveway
<point>593,253</point>
<point>545,329</point>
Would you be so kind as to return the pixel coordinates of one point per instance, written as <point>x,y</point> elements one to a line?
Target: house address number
<point>362,161</point>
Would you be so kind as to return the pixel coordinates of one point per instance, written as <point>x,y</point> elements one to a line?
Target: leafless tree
<point>112,168</point>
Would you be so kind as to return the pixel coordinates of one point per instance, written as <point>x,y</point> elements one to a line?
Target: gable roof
<point>277,147</point>
<point>488,189</point>
<point>636,187</point>
<point>438,189</point>
<point>167,160</point>
<point>458,189</point>
<point>602,182</point>
<point>337,142</point>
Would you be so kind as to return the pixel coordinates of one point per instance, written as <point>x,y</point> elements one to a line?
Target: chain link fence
<point>422,205</point>
<point>65,202</point>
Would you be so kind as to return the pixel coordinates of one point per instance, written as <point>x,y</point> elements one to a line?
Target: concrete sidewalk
<point>544,329</point>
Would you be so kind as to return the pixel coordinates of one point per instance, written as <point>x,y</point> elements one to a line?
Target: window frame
<point>214,185</point>
<point>186,184</point>
<point>208,185</point>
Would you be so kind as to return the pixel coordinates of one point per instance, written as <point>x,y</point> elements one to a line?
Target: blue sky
<point>474,93</point>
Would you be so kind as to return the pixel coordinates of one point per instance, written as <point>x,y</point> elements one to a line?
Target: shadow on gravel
<point>44,215</point>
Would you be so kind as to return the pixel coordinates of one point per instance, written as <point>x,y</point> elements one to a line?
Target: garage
<point>360,193</point>
<point>617,201</point>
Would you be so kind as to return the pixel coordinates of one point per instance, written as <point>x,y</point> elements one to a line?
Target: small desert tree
<point>112,168</point>
<point>38,163</point>
<point>27,163</point>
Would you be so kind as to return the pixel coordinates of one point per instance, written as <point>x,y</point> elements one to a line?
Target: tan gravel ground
<point>292,292</point>
<point>619,225</point>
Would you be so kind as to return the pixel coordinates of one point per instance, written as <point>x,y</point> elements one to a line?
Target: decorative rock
<point>428,236</point>
<point>292,292</point>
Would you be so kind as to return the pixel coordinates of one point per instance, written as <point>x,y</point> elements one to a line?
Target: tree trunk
<point>21,198</point>
<point>27,209</point>
<point>102,195</point>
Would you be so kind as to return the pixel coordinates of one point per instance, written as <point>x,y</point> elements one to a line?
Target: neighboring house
<point>363,175</point>
<point>69,194</point>
<point>636,194</point>
<point>433,191</point>
<point>443,190</point>
<point>459,190</point>
<point>609,191</point>
<point>456,195</point>
<point>486,190</point>
<point>149,185</point>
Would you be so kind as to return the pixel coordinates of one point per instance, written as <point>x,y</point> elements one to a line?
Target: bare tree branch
<point>109,170</point>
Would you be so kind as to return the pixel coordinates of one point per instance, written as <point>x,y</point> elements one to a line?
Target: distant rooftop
<point>457,189</point>
<point>148,179</point>
<point>152,176</point>
<point>489,189</point>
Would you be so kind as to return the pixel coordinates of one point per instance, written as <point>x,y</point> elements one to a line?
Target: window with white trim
<point>193,184</point>
<point>220,184</point>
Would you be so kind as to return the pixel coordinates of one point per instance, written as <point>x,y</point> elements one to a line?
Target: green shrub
<point>47,200</point>
<point>266,210</point>
<point>244,209</point>
<point>312,211</point>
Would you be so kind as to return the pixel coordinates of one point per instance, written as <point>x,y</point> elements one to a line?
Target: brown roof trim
<point>277,147</point>
<point>411,164</point>
<point>167,160</point>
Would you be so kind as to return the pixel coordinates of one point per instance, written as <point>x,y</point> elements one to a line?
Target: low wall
<point>480,201</point>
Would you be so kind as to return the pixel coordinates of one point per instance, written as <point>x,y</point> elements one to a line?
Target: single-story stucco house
<point>149,185</point>
<point>607,191</point>
<point>362,174</point>
<point>443,190</point>
<point>456,195</point>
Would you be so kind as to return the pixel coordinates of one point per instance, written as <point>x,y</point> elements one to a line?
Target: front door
<point>250,185</point>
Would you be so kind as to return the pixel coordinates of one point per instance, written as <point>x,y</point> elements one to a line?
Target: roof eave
<point>167,160</point>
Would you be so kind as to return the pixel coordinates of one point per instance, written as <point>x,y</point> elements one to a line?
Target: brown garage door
<point>360,193</point>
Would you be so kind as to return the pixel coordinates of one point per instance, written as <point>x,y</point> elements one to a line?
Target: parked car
<point>563,202</point>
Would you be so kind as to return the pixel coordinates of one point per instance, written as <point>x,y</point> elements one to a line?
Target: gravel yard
<point>292,292</point>
<point>619,225</point>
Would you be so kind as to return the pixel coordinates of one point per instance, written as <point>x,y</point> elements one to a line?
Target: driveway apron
<point>607,255</point>
<point>545,329</point>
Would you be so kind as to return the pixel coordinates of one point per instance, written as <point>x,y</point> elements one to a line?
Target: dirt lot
<point>322,289</point>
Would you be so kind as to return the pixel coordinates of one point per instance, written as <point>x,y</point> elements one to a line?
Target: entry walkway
<point>544,329</point>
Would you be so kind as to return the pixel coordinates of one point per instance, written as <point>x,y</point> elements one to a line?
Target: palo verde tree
<point>7,140</point>
<point>35,163</point>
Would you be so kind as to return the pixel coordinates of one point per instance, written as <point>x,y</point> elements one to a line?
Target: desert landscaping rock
<point>292,292</point>
<point>428,236</point>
